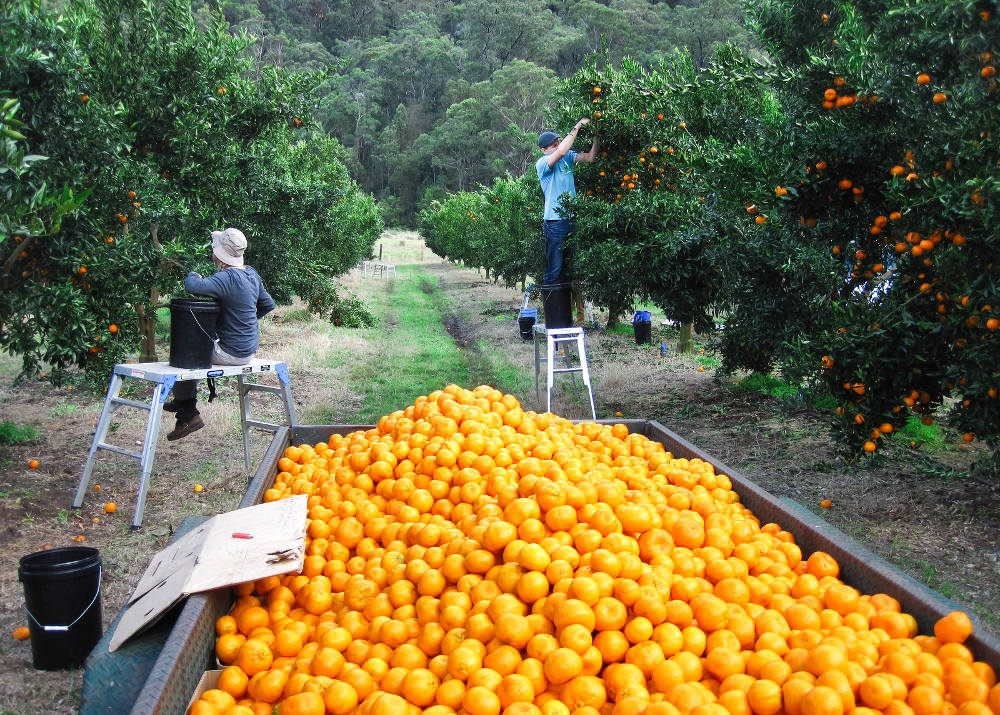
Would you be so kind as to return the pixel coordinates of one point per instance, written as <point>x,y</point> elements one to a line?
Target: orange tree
<point>836,203</point>
<point>891,108</point>
<point>159,131</point>
<point>660,214</point>
<point>497,229</point>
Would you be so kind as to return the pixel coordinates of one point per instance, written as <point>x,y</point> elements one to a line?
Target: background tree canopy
<point>434,96</point>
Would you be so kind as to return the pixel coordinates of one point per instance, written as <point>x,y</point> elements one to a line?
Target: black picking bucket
<point>642,327</point>
<point>526,322</point>
<point>556,305</point>
<point>192,332</point>
<point>62,595</point>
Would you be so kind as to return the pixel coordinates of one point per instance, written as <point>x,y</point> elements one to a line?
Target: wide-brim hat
<point>228,246</point>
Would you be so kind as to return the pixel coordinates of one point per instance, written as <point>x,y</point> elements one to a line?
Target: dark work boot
<point>186,424</point>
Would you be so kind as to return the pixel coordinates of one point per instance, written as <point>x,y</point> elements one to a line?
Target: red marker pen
<point>242,535</point>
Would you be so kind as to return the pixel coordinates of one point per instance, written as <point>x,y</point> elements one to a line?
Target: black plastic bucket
<point>556,305</point>
<point>642,327</point>
<point>526,321</point>
<point>192,332</point>
<point>62,595</point>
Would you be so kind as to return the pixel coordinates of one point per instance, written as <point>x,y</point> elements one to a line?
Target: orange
<point>765,697</point>
<point>966,689</point>
<point>821,564</point>
<point>304,703</point>
<point>228,645</point>
<point>561,665</point>
<point>924,700</point>
<point>253,656</point>
<point>234,681</point>
<point>876,691</point>
<point>480,700</point>
<point>21,633</point>
<point>953,628</point>
<point>724,662</point>
<point>340,698</point>
<point>821,700</point>
<point>419,687</point>
<point>515,688</point>
<point>584,691</point>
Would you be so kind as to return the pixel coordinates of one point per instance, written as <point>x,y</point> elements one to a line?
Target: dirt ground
<point>920,510</point>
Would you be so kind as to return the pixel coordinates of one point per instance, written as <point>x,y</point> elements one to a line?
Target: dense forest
<point>432,96</point>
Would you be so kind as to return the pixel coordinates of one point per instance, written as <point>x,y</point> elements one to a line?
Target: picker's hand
<point>583,121</point>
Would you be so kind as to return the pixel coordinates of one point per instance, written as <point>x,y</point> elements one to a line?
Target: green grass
<point>927,437</point>
<point>13,433</point>
<point>162,329</point>
<point>62,410</point>
<point>417,355</point>
<point>300,315</point>
<point>767,385</point>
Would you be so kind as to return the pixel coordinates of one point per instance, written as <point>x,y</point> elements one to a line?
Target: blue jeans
<point>556,232</point>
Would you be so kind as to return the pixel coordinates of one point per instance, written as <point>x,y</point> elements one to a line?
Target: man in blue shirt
<point>555,173</point>
<point>242,300</point>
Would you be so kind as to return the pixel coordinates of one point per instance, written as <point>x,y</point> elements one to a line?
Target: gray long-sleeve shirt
<point>242,299</point>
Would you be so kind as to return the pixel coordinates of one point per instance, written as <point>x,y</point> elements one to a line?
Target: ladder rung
<point>263,425</point>
<point>567,369</point>
<point>119,450</point>
<point>130,403</point>
<point>253,387</point>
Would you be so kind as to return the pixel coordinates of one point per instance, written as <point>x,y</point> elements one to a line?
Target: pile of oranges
<point>466,556</point>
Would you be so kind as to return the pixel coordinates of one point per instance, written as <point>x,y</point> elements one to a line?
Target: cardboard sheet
<point>242,545</point>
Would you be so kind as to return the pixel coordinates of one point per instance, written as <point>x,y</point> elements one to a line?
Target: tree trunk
<point>147,327</point>
<point>685,343</point>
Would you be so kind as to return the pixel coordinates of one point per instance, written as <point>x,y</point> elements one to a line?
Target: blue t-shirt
<point>242,299</point>
<point>556,181</point>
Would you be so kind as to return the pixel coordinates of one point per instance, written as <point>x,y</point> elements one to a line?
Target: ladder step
<point>253,387</point>
<point>130,403</point>
<point>567,369</point>
<point>120,450</point>
<point>263,425</point>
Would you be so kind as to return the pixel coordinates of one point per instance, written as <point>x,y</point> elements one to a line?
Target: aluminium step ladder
<point>555,338</point>
<point>165,376</point>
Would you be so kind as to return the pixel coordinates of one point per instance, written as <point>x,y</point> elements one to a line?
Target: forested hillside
<point>433,96</point>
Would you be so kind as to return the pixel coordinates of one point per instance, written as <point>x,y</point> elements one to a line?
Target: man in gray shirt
<point>242,300</point>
